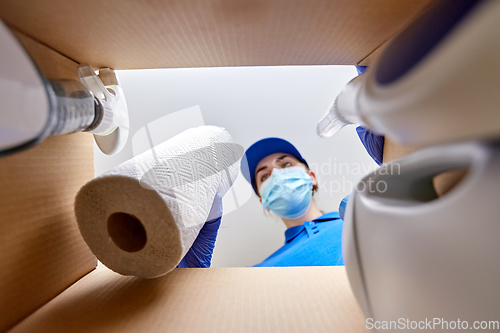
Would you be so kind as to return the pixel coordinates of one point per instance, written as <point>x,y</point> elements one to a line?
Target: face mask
<point>287,192</point>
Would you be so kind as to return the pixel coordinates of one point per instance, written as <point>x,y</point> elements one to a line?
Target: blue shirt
<point>315,243</point>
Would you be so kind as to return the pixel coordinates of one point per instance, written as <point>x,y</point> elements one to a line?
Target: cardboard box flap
<point>128,34</point>
<point>248,299</point>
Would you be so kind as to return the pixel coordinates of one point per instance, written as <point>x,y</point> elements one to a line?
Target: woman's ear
<point>313,176</point>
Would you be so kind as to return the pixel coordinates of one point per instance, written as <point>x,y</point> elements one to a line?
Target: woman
<point>281,177</point>
<point>312,238</point>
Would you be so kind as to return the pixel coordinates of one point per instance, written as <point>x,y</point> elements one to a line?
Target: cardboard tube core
<point>127,232</point>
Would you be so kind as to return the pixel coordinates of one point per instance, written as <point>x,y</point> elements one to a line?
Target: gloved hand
<point>342,206</point>
<point>374,144</point>
<point>200,253</point>
<point>361,69</point>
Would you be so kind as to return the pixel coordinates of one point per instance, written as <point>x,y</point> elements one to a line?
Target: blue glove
<point>200,253</point>
<point>361,69</point>
<point>374,144</point>
<point>342,206</point>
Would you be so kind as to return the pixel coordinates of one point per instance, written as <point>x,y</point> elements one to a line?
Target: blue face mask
<point>287,192</point>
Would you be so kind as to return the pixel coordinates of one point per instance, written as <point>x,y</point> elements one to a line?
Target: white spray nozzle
<point>331,122</point>
<point>344,110</point>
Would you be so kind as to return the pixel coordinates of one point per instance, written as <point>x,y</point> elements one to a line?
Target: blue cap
<point>262,148</point>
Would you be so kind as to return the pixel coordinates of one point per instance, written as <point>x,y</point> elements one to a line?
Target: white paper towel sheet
<point>141,217</point>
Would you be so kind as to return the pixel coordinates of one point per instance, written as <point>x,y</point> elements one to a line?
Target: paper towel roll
<point>142,217</point>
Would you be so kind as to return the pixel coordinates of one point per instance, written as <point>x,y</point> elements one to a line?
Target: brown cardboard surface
<point>443,182</point>
<point>41,250</point>
<point>53,64</point>
<point>127,34</point>
<point>372,57</point>
<point>245,299</point>
<point>394,150</point>
<point>446,181</point>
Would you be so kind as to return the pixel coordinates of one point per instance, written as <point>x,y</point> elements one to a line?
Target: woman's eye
<point>286,164</point>
<point>264,178</point>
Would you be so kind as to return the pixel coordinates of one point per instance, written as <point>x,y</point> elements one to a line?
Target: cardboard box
<point>48,278</point>
<point>128,34</point>
<point>288,299</point>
